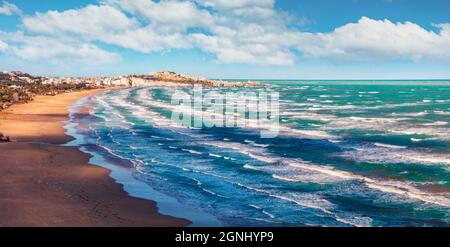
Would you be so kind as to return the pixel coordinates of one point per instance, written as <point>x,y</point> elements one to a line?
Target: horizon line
<point>243,78</point>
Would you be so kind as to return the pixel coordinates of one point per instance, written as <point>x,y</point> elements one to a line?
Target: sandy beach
<point>45,184</point>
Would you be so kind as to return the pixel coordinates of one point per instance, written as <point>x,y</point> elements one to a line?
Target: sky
<point>230,39</point>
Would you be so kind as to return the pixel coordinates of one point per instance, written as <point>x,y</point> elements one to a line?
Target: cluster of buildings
<point>16,86</point>
<point>16,78</point>
<point>119,81</point>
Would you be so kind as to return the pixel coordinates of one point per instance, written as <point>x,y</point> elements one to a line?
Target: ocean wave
<point>431,131</point>
<point>394,187</point>
<point>410,114</point>
<point>441,113</point>
<point>316,202</point>
<point>272,216</point>
<point>416,140</point>
<point>357,107</point>
<point>388,186</point>
<point>378,144</point>
<point>387,125</point>
<point>274,167</point>
<point>386,154</point>
<point>191,151</point>
<point>260,145</point>
<point>146,99</point>
<point>437,123</point>
<point>251,167</point>
<point>398,188</point>
<point>214,193</point>
<point>215,155</point>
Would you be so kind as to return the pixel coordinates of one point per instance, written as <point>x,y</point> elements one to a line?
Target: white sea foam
<point>146,99</point>
<point>260,145</point>
<point>388,186</point>
<point>311,170</point>
<point>326,174</point>
<point>441,113</point>
<point>214,193</point>
<point>432,131</point>
<point>388,125</point>
<point>305,176</point>
<point>262,211</point>
<point>285,178</point>
<point>191,151</point>
<point>411,114</point>
<point>313,116</point>
<point>392,125</point>
<point>385,155</point>
<point>394,187</point>
<point>314,201</point>
<point>378,144</point>
<point>355,107</point>
<point>252,167</point>
<point>215,155</point>
<point>442,101</point>
<point>437,123</point>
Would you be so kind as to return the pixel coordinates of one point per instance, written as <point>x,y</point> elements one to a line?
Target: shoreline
<point>122,169</point>
<point>46,183</point>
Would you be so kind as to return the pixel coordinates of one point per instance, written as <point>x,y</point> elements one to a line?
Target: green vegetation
<point>17,87</point>
<point>10,95</point>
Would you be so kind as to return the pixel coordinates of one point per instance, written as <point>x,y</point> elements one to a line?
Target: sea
<point>348,153</point>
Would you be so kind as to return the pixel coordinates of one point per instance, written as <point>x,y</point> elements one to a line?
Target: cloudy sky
<point>284,39</point>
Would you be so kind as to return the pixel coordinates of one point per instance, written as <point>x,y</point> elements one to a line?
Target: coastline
<point>43,183</point>
<point>122,169</point>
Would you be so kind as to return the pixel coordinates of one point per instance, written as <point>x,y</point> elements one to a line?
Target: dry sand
<point>45,184</point>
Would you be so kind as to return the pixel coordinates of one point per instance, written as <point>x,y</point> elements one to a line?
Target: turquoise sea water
<point>348,154</point>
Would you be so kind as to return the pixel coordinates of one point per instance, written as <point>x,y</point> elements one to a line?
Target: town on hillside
<point>19,87</point>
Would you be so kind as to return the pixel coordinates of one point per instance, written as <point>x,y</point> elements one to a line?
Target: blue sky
<point>283,39</point>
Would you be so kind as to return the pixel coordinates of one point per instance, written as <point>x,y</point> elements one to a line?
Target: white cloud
<point>236,4</point>
<point>184,14</point>
<point>250,43</point>
<point>66,36</point>
<point>235,31</point>
<point>162,25</point>
<point>106,24</point>
<point>58,51</point>
<point>3,46</point>
<point>90,21</point>
<point>378,40</point>
<point>258,12</point>
<point>166,16</point>
<point>444,29</point>
<point>9,9</point>
<point>147,40</point>
<point>248,31</point>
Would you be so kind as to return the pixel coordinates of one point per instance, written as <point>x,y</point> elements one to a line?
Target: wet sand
<point>45,184</point>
